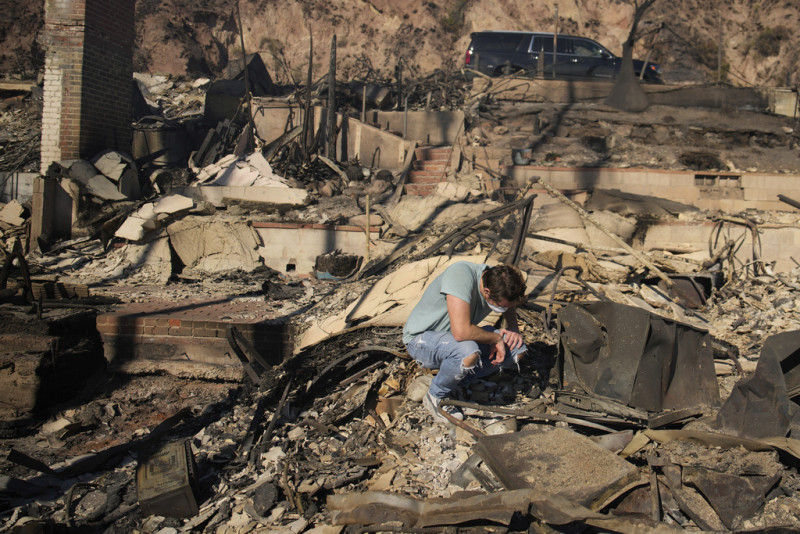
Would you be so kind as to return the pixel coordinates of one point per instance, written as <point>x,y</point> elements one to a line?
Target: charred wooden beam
<point>331,148</point>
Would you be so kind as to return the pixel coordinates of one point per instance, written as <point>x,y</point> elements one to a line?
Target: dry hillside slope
<point>759,38</point>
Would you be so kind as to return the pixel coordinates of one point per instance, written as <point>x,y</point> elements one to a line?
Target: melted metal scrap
<point>760,406</point>
<point>734,498</point>
<point>373,507</point>
<point>638,359</point>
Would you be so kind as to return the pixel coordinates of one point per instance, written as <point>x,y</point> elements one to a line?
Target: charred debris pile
<point>662,392</point>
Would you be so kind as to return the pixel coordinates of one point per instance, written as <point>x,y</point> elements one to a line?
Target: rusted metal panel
<point>734,498</point>
<point>760,406</point>
<point>631,356</point>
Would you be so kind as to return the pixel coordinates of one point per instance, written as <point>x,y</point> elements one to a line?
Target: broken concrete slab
<point>103,188</point>
<point>132,229</point>
<point>211,246</point>
<point>375,220</point>
<point>558,461</point>
<point>80,170</point>
<point>112,164</point>
<point>555,215</point>
<point>253,170</point>
<point>211,170</point>
<point>294,247</point>
<point>12,213</point>
<point>268,196</point>
<point>148,217</point>
<point>128,184</point>
<point>415,212</point>
<point>95,183</point>
<point>617,224</point>
<point>173,204</point>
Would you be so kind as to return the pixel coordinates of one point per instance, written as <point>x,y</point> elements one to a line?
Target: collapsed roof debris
<point>663,389</point>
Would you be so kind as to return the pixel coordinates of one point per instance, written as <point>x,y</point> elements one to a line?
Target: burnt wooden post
<point>248,101</point>
<point>399,72</point>
<point>364,103</point>
<point>307,127</point>
<point>331,152</point>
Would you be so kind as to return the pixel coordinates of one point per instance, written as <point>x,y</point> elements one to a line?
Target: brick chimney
<point>88,78</point>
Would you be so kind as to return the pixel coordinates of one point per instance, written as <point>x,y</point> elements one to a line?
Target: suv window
<point>544,43</point>
<point>586,48</point>
<point>501,41</point>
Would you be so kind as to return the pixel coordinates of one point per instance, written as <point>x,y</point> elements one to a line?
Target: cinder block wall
<point>88,78</point>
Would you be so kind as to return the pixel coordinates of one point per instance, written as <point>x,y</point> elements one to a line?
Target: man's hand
<point>498,353</point>
<point>512,339</point>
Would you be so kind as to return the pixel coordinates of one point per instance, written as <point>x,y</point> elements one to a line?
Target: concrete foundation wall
<point>294,247</point>
<point>781,101</point>
<point>777,245</point>
<point>372,146</point>
<point>272,118</point>
<point>728,192</point>
<point>567,92</point>
<point>427,128</point>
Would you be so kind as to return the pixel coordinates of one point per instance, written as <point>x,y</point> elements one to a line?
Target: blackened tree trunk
<point>331,148</point>
<point>627,94</point>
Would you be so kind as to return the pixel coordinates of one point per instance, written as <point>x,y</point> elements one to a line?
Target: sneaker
<point>432,404</point>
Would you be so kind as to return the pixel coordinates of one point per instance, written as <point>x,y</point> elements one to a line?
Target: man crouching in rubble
<point>442,332</point>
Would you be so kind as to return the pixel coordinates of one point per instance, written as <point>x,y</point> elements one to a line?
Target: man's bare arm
<point>461,327</point>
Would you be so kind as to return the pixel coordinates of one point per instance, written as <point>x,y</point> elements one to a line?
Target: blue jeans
<point>440,350</point>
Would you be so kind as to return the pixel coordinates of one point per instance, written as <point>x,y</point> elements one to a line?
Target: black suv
<point>495,53</point>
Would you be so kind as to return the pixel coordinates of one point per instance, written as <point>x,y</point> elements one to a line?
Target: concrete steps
<point>428,169</point>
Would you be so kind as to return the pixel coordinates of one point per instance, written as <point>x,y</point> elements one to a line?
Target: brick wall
<point>88,77</point>
<point>169,336</point>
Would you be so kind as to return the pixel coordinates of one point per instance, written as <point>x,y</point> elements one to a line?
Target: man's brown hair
<point>504,282</point>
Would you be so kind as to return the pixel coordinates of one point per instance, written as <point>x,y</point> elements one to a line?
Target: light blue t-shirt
<point>462,280</point>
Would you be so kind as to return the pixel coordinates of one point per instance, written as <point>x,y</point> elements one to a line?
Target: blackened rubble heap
<point>20,124</point>
<point>310,443</point>
<point>332,426</point>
